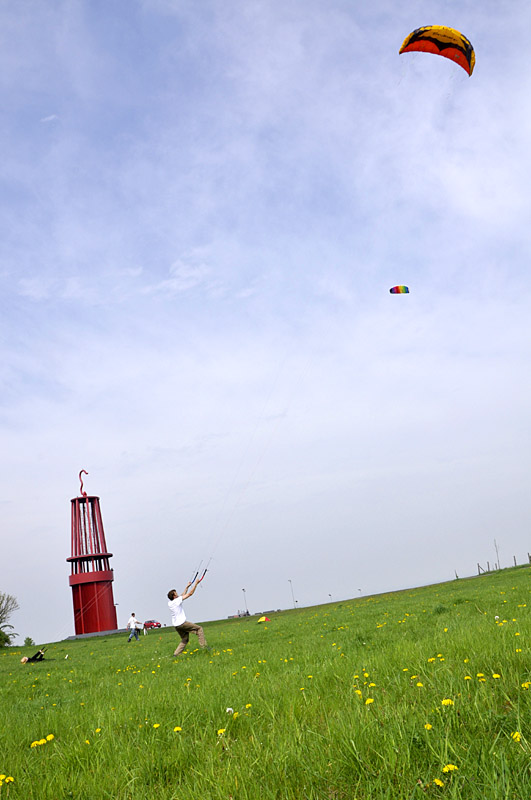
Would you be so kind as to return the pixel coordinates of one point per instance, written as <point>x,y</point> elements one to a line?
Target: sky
<point>202,209</point>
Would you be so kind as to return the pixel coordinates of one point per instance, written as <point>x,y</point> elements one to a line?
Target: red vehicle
<point>152,623</point>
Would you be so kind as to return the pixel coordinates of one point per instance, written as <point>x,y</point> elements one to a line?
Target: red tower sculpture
<point>91,578</point>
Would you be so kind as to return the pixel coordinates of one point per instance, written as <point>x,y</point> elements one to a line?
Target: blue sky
<point>203,207</point>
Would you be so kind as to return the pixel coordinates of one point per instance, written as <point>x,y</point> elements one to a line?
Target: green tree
<point>28,641</point>
<point>8,604</point>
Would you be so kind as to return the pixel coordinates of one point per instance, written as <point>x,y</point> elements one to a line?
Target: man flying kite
<point>178,617</point>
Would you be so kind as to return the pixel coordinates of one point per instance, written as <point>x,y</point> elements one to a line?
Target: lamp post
<point>245,601</point>
<point>292,595</point>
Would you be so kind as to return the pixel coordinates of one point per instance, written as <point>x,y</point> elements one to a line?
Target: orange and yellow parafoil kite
<point>441,41</point>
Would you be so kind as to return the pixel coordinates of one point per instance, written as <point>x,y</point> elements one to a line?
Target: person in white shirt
<point>133,624</point>
<point>178,617</point>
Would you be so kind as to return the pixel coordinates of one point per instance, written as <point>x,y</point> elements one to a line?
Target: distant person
<point>133,624</point>
<point>39,656</point>
<point>178,617</point>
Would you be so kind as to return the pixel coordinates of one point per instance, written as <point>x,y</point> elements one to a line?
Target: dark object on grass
<point>39,656</point>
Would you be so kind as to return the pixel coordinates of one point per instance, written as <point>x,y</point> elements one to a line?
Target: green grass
<point>300,685</point>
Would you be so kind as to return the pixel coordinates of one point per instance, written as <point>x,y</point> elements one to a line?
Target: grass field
<point>421,693</point>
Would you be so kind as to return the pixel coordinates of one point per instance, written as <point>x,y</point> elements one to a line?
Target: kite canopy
<point>399,290</point>
<point>441,41</point>
<point>264,619</point>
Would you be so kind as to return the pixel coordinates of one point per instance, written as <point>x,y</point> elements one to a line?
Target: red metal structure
<point>91,578</point>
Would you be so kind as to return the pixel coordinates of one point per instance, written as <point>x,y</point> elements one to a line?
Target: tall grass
<point>421,693</point>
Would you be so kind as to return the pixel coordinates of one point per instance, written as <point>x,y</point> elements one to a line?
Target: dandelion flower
<point>230,711</point>
<point>248,705</point>
<point>516,735</point>
<point>495,675</point>
<point>98,730</point>
<point>156,725</point>
<point>428,726</point>
<point>368,701</point>
<point>438,782</point>
<point>50,737</point>
<point>420,684</point>
<point>447,701</point>
<point>177,729</point>
<point>449,768</point>
<point>221,731</point>
<point>236,715</point>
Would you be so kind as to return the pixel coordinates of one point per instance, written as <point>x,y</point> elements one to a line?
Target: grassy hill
<point>420,693</point>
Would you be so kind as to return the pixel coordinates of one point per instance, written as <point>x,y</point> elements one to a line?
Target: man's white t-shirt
<point>177,611</point>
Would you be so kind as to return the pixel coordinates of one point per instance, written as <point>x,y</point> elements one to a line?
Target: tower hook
<point>84,494</point>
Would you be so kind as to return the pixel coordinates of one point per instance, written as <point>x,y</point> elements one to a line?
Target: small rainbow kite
<point>399,290</point>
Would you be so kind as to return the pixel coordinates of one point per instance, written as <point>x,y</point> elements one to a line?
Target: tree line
<point>8,605</point>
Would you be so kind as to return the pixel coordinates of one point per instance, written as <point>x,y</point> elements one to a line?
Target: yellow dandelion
<point>479,675</point>
<point>221,731</point>
<point>449,768</point>
<point>236,714</point>
<point>156,724</point>
<point>87,741</point>
<point>50,737</point>
<point>495,675</point>
<point>177,729</point>
<point>516,736</point>
<point>248,705</point>
<point>98,730</point>
<point>428,726</point>
<point>468,678</point>
<point>438,782</point>
<point>419,683</point>
<point>368,701</point>
<point>447,701</point>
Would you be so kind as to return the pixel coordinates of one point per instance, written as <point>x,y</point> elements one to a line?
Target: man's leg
<point>199,631</point>
<point>183,633</point>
